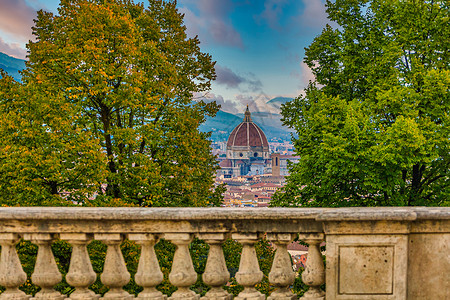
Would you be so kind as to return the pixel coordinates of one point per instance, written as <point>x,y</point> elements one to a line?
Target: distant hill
<point>278,101</point>
<point>11,65</point>
<point>221,125</point>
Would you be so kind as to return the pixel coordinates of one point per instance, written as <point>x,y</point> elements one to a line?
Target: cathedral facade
<point>247,150</point>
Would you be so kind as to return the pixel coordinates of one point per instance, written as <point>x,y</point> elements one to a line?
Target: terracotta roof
<point>297,246</point>
<point>225,163</point>
<point>264,184</point>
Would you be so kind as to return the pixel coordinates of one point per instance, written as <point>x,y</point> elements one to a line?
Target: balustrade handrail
<point>185,213</point>
<point>358,239</point>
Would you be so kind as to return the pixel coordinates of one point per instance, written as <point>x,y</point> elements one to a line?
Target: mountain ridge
<point>12,65</point>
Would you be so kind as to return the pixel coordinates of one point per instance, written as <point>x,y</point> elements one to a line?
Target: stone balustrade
<point>371,253</point>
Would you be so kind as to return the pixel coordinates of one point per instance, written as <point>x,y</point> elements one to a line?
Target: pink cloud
<point>306,75</point>
<point>13,49</point>
<point>16,19</point>
<point>211,22</point>
<point>314,14</point>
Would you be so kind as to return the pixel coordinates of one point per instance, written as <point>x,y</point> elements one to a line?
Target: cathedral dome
<point>247,134</point>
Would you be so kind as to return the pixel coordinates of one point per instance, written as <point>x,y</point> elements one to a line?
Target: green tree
<point>105,110</point>
<point>373,127</point>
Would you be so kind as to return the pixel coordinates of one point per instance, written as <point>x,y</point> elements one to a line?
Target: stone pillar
<point>281,275</point>
<point>80,275</point>
<point>149,274</point>
<point>314,273</point>
<point>46,273</point>
<point>249,274</point>
<point>182,274</point>
<point>115,274</point>
<point>11,273</point>
<point>216,274</point>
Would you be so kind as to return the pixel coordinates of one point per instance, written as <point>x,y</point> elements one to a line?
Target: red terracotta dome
<point>247,134</point>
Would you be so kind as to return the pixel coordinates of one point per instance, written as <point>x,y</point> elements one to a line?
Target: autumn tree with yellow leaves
<point>105,110</point>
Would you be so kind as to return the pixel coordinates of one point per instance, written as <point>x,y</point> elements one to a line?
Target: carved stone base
<point>217,294</point>
<point>227,297</point>
<point>313,295</point>
<point>49,297</point>
<point>184,294</point>
<point>86,295</point>
<point>260,297</point>
<point>282,297</point>
<point>14,295</point>
<point>52,295</point>
<point>218,297</point>
<point>117,297</point>
<point>250,295</point>
<point>151,296</point>
<point>282,294</point>
<point>196,297</point>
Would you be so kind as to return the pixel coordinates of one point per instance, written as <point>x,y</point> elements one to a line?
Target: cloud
<point>225,76</point>
<point>13,49</point>
<point>16,19</point>
<point>257,103</point>
<point>306,75</point>
<point>314,14</point>
<point>225,105</point>
<point>211,22</point>
<point>273,9</point>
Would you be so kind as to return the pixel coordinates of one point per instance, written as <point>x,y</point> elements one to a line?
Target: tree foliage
<point>373,128</point>
<point>105,109</point>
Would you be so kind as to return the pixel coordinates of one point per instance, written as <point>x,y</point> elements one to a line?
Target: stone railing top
<point>157,213</point>
<point>192,213</point>
<point>384,213</point>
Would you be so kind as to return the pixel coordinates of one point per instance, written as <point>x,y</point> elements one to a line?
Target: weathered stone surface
<point>429,266</point>
<point>366,269</point>
<point>366,266</point>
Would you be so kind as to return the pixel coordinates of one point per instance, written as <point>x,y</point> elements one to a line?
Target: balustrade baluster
<point>80,275</point>
<point>46,273</point>
<point>115,274</point>
<point>216,273</point>
<point>249,274</point>
<point>11,273</point>
<point>281,275</point>
<point>182,274</point>
<point>149,274</point>
<point>314,273</point>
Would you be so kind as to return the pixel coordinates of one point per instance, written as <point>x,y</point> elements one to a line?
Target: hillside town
<point>251,167</point>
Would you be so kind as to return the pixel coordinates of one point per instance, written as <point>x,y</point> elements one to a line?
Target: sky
<point>258,45</point>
